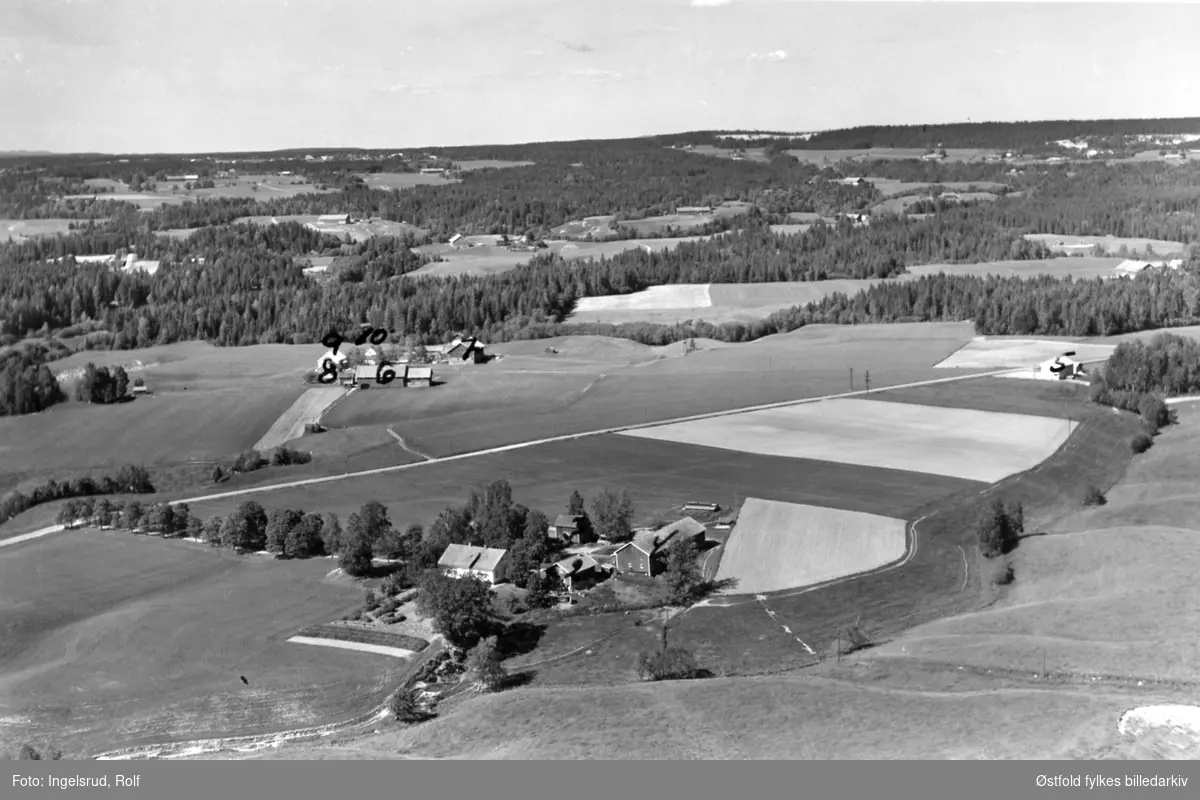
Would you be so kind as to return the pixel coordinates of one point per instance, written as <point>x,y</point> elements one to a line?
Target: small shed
<point>1059,369</point>
<point>577,572</point>
<point>455,239</point>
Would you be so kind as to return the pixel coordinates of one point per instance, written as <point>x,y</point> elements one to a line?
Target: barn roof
<point>575,564</point>
<point>465,556</point>
<point>364,372</point>
<point>566,521</point>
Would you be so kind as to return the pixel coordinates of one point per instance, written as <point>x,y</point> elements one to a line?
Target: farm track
<point>568,437</point>
<point>309,407</point>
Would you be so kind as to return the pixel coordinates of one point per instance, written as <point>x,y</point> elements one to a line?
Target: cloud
<point>534,53</point>
<point>710,3</point>
<point>777,55</point>
<point>398,88</point>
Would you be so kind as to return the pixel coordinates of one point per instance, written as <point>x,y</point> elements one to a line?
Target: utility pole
<point>867,378</point>
<point>839,646</point>
<point>852,379</point>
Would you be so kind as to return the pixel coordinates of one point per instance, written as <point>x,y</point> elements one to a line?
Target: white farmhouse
<point>487,564</point>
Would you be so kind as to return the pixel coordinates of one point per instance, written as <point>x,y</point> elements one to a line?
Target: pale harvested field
<point>489,259</point>
<point>489,163</point>
<point>686,296</point>
<point>1110,244</point>
<point>728,302</point>
<point>308,408</point>
<point>361,647</point>
<point>779,546</point>
<point>983,352</point>
<point>975,445</point>
<point>24,228</point>
<point>896,205</point>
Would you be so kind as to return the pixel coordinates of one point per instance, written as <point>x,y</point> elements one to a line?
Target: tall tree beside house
<point>356,557</point>
<point>527,553</point>
<point>120,380</point>
<point>158,518</point>
<point>683,572</point>
<point>304,539</point>
<point>575,505</point>
<point>461,608</point>
<point>540,591</point>
<point>105,511</point>
<point>182,519</point>
<point>612,515</point>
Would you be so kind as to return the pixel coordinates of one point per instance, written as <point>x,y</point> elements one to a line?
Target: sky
<point>139,76</point>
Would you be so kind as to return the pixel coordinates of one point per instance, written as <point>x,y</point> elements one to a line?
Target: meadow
<point>1107,590</point>
<point>113,639</point>
<point>895,188</point>
<point>308,408</point>
<point>898,205</point>
<point>19,229</point>
<point>821,157</point>
<point>1109,244</point>
<point>960,443</point>
<point>241,186</point>
<point>404,180</point>
<point>778,546</point>
<point>470,164</point>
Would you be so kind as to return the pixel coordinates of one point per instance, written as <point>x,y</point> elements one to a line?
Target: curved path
<point>534,443</point>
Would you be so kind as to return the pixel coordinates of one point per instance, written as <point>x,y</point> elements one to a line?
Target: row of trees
<point>253,460</point>
<point>131,479</point>
<point>102,385</point>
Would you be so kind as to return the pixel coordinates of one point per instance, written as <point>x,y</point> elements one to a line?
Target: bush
<point>404,705</point>
<point>1154,411</point>
<point>1140,443</point>
<point>1003,575</point>
<point>1092,496</point>
<point>370,600</point>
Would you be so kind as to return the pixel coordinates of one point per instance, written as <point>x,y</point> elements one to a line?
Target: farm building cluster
<point>582,560</point>
<point>414,369</point>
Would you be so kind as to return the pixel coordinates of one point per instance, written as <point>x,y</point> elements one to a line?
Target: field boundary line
<point>966,569</point>
<point>576,651</point>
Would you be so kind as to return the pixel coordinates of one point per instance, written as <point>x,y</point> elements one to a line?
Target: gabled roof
<point>566,521</point>
<point>650,542</point>
<point>465,556</point>
<point>364,372</point>
<point>572,565</point>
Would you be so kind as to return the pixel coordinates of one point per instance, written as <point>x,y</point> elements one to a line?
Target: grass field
<point>358,231</point>
<point>961,443</point>
<point>985,352</point>
<point>1110,244</point>
<point>404,180</point>
<point>1062,399</point>
<point>489,259</point>
<point>820,157</point>
<point>1105,590</point>
<point>894,188</point>
<point>1081,267</point>
<point>785,546</point>
<point>897,205</point>
<point>20,229</point>
<point>659,475</point>
<point>471,164</point>
<point>112,639</point>
<point>242,186</point>
<point>810,719</point>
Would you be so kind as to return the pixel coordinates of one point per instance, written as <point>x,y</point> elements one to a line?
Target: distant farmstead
<point>334,219</point>
<point>1060,368</point>
<point>487,564</point>
<point>460,348</point>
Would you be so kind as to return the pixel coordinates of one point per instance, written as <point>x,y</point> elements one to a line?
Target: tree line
<point>130,479</point>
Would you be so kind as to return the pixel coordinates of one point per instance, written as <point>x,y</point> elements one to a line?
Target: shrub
<point>1092,496</point>
<point>1002,575</point>
<point>1140,443</point>
<point>1154,411</point>
<point>370,600</point>
<point>404,705</point>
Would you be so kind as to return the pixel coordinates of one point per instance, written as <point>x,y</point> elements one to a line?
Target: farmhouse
<point>484,563</point>
<point>338,358</point>
<point>1058,369</point>
<point>646,554</point>
<point>334,219</point>
<point>455,239</point>
<point>693,210</point>
<point>854,181</point>
<point>568,528</point>
<point>460,348</point>
<point>371,356</point>
<point>576,572</point>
